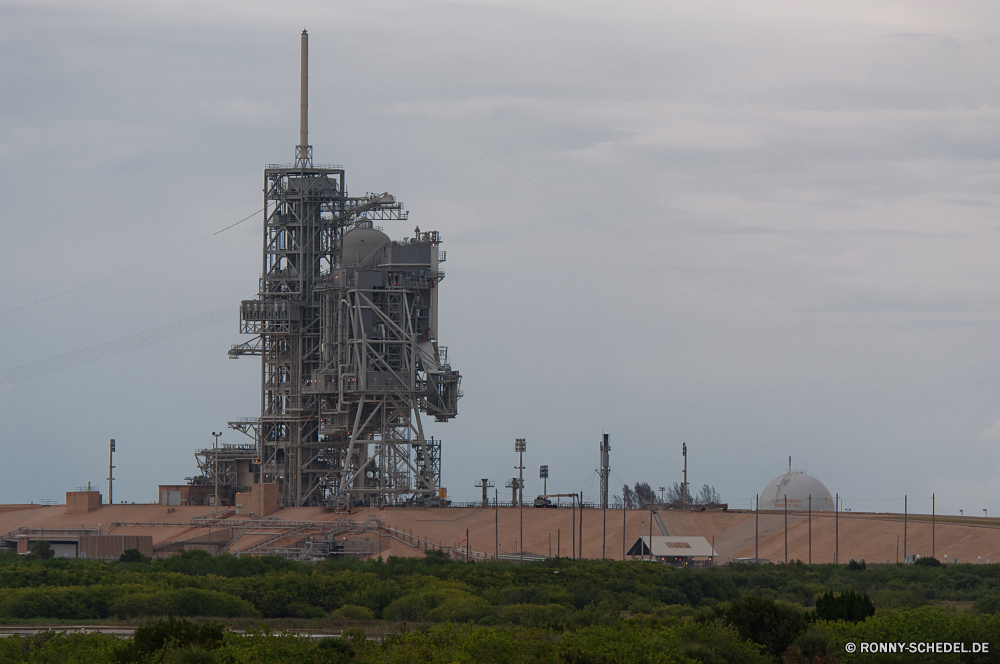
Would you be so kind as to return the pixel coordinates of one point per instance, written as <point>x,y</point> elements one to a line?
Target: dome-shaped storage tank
<point>797,487</point>
<point>360,243</point>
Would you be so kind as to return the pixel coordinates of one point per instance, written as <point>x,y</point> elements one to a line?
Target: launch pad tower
<point>346,325</point>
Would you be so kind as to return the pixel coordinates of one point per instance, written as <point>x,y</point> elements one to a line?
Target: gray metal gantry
<point>345,323</point>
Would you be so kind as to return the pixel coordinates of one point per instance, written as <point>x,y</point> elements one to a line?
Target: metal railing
<point>330,167</point>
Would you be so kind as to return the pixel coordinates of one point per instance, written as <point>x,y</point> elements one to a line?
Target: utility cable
<point>116,346</point>
<point>645,248</point>
<point>148,150</point>
<point>133,267</point>
<point>589,482</point>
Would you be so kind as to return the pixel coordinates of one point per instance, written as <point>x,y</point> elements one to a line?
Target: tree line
<point>643,496</point>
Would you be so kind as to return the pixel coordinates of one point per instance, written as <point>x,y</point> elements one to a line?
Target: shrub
<point>524,595</point>
<point>900,599</point>
<point>848,606</point>
<point>304,610</point>
<point>987,603</point>
<point>549,616</point>
<point>354,612</point>
<point>928,561</point>
<point>409,608</point>
<point>72,603</point>
<point>42,549</point>
<point>810,648</point>
<point>460,607</point>
<point>132,556</point>
<point>190,638</point>
<point>183,602</point>
<point>762,621</point>
<point>434,557</point>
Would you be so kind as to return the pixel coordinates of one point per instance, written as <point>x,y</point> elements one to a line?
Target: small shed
<point>675,551</point>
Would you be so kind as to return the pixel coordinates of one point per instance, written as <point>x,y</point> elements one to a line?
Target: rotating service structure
<point>346,326</point>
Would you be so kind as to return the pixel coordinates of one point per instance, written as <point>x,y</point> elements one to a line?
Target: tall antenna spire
<point>303,152</point>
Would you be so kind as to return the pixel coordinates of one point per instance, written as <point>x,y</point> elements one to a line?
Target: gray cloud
<point>807,162</point>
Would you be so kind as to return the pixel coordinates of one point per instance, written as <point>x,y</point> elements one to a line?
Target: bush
<point>718,643</point>
<point>59,647</point>
<point>42,550</point>
<point>928,561</point>
<point>857,565</point>
<point>900,599</point>
<point>810,648</point>
<point>524,595</point>
<point>73,603</point>
<point>132,556</point>
<point>987,603</point>
<point>434,557</point>
<point>354,612</point>
<point>190,638</point>
<point>762,621</point>
<point>460,607</point>
<point>548,616</point>
<point>409,608</point>
<point>848,606</point>
<point>184,602</point>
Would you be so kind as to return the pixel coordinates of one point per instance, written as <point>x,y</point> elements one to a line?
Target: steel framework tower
<point>346,327</point>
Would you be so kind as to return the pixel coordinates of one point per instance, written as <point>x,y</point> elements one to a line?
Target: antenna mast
<point>303,151</point>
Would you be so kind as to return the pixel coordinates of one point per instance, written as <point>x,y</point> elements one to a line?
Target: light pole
<point>215,458</point>
<point>985,513</point>
<point>520,446</point>
<point>662,489</point>
<point>836,536</point>
<point>543,474</point>
<point>756,531</point>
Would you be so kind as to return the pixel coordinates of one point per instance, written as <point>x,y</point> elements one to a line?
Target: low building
<point>674,551</point>
<point>191,494</point>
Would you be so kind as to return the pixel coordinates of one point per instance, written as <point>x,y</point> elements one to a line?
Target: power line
<point>129,269</point>
<point>646,248</point>
<point>116,346</point>
<point>148,150</point>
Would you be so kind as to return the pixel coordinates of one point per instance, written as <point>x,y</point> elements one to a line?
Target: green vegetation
<point>41,550</point>
<point>848,606</point>
<point>436,610</point>
<point>132,556</point>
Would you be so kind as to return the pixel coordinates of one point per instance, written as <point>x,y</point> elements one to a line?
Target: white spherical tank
<point>797,487</point>
<point>359,243</point>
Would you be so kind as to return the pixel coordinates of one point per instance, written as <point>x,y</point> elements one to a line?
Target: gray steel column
<point>304,92</point>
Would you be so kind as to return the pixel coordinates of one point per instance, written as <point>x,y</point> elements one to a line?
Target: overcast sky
<point>764,229</point>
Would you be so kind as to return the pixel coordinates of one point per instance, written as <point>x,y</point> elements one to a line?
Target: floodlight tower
<point>543,474</point>
<point>346,326</point>
<point>519,446</point>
